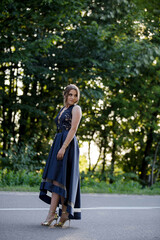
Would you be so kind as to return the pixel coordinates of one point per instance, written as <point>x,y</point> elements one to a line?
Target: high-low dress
<point>65,172</point>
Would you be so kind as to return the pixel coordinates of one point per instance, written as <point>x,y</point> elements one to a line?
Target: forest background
<point>111,51</point>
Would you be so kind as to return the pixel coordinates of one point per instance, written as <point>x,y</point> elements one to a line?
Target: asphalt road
<point>104,217</point>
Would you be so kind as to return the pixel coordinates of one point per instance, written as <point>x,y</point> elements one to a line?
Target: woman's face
<point>72,97</point>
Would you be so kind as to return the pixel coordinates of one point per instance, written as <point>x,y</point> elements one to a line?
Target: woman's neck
<point>67,106</point>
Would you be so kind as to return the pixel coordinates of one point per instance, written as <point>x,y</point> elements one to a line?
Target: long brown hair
<point>68,89</point>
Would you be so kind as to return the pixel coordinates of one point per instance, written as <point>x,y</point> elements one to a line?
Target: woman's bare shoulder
<point>77,109</point>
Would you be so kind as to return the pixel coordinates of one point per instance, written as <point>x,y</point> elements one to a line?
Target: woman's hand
<point>61,153</point>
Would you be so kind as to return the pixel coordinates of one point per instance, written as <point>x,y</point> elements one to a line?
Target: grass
<point>145,191</point>
<point>92,189</point>
<point>21,188</point>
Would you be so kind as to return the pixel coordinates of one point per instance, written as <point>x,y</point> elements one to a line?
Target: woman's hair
<point>68,89</point>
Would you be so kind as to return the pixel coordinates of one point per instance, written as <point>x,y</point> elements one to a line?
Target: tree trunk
<point>113,150</point>
<point>144,166</point>
<point>4,138</point>
<point>9,119</point>
<point>23,117</point>
<point>99,157</point>
<point>153,164</point>
<point>104,164</point>
<point>32,117</point>
<point>4,125</point>
<point>112,162</point>
<point>89,155</point>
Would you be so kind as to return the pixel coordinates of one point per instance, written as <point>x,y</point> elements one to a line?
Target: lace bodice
<point>63,120</point>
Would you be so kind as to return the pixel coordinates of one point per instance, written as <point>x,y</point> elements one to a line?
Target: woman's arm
<point>76,117</point>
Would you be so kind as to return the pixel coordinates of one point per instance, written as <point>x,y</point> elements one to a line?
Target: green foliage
<point>93,185</point>
<point>90,178</point>
<point>119,188</point>
<point>22,156</point>
<point>111,50</point>
<point>23,180</point>
<point>83,164</point>
<point>20,177</point>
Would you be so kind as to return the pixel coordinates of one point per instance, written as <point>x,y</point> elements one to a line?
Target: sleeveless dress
<point>66,171</point>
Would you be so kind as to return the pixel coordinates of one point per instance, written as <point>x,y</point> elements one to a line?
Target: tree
<point>110,49</point>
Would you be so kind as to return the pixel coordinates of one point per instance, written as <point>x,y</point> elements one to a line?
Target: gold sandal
<point>61,223</point>
<point>48,222</point>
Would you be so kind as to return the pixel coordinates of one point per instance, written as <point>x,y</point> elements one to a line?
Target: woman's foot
<point>63,219</point>
<point>52,215</point>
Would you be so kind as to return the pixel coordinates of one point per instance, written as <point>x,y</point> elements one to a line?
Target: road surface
<point>104,217</point>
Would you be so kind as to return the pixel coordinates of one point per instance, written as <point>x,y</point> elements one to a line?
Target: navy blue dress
<point>66,171</point>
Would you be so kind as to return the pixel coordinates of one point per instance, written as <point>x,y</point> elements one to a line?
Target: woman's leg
<point>64,208</point>
<point>56,199</point>
<point>51,214</point>
<point>54,202</point>
<point>65,214</point>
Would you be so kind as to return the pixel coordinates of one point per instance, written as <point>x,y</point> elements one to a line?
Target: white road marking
<point>91,208</point>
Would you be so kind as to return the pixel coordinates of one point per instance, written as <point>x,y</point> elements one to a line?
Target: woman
<point>61,173</point>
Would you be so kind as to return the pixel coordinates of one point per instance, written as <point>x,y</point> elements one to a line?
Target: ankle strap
<point>52,211</point>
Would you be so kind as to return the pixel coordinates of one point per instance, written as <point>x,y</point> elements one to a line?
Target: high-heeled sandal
<point>48,222</point>
<point>62,222</point>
